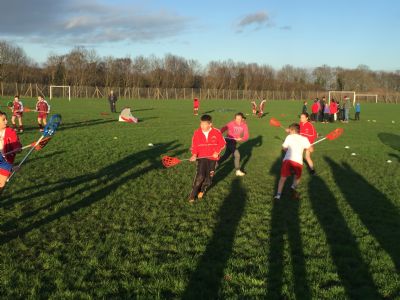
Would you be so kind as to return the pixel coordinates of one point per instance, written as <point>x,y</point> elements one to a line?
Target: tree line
<point>84,67</point>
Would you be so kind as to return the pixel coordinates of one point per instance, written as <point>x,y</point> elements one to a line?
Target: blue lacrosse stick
<point>48,131</point>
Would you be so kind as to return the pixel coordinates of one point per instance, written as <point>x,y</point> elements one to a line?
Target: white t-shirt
<point>206,133</point>
<point>295,144</point>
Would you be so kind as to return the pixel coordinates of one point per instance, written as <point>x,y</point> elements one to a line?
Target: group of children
<point>17,110</point>
<point>209,142</point>
<point>9,141</point>
<point>324,112</point>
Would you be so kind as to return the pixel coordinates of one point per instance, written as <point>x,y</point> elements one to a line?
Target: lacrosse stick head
<point>334,134</point>
<point>52,125</point>
<point>41,144</point>
<point>27,109</point>
<point>274,122</point>
<point>169,161</point>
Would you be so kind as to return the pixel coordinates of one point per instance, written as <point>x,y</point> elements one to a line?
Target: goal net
<point>339,96</point>
<point>60,91</point>
<point>367,97</point>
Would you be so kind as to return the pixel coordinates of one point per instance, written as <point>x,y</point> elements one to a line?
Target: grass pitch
<point>95,215</point>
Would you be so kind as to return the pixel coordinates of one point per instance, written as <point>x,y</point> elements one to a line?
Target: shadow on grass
<point>94,122</point>
<point>390,139</point>
<point>285,221</point>
<point>205,281</point>
<point>346,255</point>
<point>103,183</point>
<point>375,210</point>
<point>246,149</point>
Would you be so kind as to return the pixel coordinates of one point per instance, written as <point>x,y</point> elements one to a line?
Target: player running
<point>307,130</point>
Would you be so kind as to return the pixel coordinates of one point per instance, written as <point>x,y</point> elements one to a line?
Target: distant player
<point>307,130</point>
<point>358,111</point>
<point>42,108</point>
<point>261,110</point>
<point>207,144</point>
<point>254,107</point>
<point>333,108</point>
<point>327,113</point>
<point>304,109</point>
<point>196,106</point>
<point>237,132</point>
<point>314,111</point>
<point>8,142</point>
<point>294,145</point>
<point>18,111</point>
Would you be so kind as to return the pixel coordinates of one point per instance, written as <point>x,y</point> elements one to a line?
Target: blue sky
<point>300,33</point>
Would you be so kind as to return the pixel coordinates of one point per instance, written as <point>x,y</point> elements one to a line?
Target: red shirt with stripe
<point>307,130</point>
<point>203,146</point>
<point>42,106</point>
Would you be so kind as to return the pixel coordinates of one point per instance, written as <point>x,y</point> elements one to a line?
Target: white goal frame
<point>342,92</point>
<point>60,86</point>
<point>369,95</point>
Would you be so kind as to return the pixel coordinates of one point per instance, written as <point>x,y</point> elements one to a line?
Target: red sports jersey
<point>42,106</point>
<point>307,130</point>
<point>206,147</point>
<point>196,103</point>
<point>10,143</point>
<point>17,108</point>
<point>333,107</point>
<point>315,108</point>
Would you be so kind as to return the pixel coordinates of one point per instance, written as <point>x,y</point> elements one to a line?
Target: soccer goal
<point>339,95</point>
<point>366,97</point>
<point>65,88</point>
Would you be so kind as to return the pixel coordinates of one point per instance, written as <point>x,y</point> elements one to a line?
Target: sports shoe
<point>277,197</point>
<point>240,173</point>
<point>200,195</point>
<point>312,172</point>
<point>191,200</point>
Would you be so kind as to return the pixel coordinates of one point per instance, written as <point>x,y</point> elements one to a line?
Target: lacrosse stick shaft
<point>26,156</point>
<point>17,150</point>
<point>318,141</point>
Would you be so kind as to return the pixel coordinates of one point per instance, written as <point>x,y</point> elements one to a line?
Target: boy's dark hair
<point>2,113</point>
<point>206,118</point>
<point>16,96</point>
<point>295,127</point>
<point>240,114</point>
<point>306,114</point>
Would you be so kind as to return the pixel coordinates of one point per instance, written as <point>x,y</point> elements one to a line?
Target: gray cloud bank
<point>85,23</point>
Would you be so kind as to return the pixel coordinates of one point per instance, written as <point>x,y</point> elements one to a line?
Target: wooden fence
<point>34,90</point>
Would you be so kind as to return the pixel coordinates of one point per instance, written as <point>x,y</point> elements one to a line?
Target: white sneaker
<point>240,173</point>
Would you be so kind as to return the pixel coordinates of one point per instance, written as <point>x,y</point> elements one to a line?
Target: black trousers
<point>229,151</point>
<point>357,116</point>
<point>112,106</point>
<point>204,174</point>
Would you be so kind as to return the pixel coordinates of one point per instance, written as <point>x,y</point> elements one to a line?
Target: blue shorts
<point>5,167</point>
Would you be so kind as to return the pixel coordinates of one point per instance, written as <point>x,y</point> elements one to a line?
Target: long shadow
<point>111,177</point>
<point>352,270</point>
<point>205,281</point>
<point>142,109</point>
<point>390,139</point>
<point>376,211</point>
<point>227,166</point>
<point>285,219</point>
<point>94,122</point>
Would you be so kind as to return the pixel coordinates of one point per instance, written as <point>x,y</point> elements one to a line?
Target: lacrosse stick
<point>274,122</point>
<point>169,161</point>
<point>37,147</point>
<point>48,131</point>
<point>333,135</point>
<point>27,109</point>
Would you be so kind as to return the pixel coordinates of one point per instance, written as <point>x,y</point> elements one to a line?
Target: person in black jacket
<point>112,99</point>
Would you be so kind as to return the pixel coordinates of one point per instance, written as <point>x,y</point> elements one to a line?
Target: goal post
<point>341,95</point>
<point>374,96</point>
<point>64,87</point>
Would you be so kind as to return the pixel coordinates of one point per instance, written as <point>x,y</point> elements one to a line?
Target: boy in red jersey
<point>294,145</point>
<point>196,106</point>
<point>254,108</point>
<point>8,142</point>
<point>17,110</point>
<point>207,144</point>
<point>307,130</point>
<point>333,109</point>
<point>43,108</point>
<point>314,111</point>
<point>237,132</point>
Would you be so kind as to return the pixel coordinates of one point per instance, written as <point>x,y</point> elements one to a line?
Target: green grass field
<point>96,215</point>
